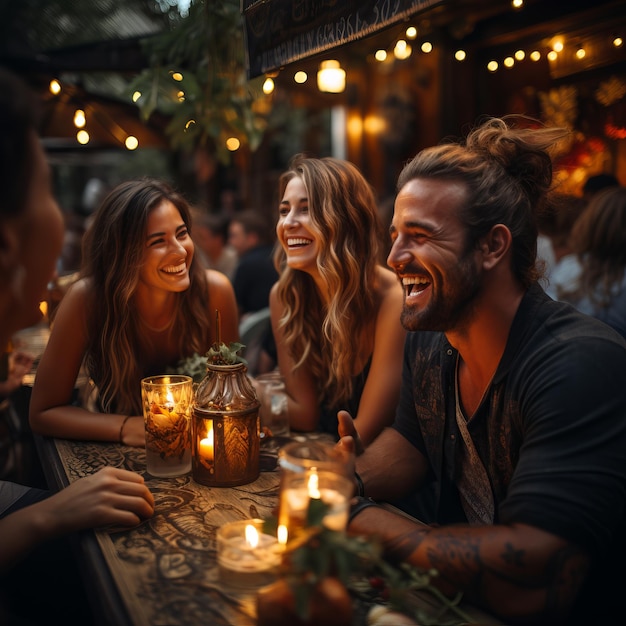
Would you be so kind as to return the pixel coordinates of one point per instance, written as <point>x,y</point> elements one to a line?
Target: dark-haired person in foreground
<point>513,406</point>
<point>31,237</point>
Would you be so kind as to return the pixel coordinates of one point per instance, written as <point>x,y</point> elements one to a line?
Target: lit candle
<point>207,445</point>
<point>332,489</point>
<point>247,557</point>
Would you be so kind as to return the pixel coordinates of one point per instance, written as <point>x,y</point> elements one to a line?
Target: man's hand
<point>349,441</point>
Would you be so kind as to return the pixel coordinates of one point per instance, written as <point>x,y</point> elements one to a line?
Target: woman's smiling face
<point>169,250</point>
<point>295,230</point>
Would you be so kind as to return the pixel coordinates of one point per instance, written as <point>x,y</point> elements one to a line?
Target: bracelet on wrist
<point>358,504</point>
<point>122,428</point>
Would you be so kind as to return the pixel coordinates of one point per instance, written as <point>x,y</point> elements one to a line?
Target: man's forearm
<point>516,572</point>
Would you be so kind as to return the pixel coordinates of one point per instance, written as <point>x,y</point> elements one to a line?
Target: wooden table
<point>164,572</point>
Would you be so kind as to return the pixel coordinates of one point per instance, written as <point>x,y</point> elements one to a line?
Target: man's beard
<point>449,308</point>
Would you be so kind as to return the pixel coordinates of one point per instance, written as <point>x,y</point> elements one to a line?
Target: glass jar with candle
<point>313,471</point>
<point>225,428</point>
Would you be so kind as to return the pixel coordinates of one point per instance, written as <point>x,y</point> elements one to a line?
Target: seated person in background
<point>31,236</point>
<point>335,308</point>
<point>597,183</point>
<point>142,304</point>
<point>248,234</point>
<point>599,241</point>
<point>512,403</point>
<point>210,235</point>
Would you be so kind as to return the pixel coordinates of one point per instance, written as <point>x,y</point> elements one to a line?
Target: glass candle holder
<point>225,429</point>
<point>247,558</point>
<point>167,402</point>
<point>313,471</point>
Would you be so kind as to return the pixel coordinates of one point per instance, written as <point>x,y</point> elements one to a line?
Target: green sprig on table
<point>318,552</point>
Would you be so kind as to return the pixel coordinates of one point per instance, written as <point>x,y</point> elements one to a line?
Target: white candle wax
<point>243,563</point>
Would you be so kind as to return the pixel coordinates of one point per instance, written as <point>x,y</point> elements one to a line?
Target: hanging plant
<point>197,76</point>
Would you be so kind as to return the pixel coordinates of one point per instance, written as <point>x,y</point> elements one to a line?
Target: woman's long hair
<point>599,239</point>
<point>343,210</point>
<point>113,250</point>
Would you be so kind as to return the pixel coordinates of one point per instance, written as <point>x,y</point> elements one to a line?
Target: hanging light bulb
<point>55,87</point>
<point>331,78</point>
<point>131,142</point>
<point>79,118</point>
<point>82,136</point>
<point>268,86</point>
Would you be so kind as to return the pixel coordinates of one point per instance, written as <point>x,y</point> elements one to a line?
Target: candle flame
<point>282,534</point>
<point>313,486</point>
<point>252,536</point>
<point>170,397</point>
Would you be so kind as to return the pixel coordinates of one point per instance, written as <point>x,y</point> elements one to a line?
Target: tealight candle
<point>247,557</point>
<point>207,445</point>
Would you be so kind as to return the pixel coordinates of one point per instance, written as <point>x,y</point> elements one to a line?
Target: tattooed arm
<point>519,573</point>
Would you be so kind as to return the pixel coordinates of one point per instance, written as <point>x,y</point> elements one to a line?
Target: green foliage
<point>358,562</point>
<point>207,48</point>
<point>223,354</point>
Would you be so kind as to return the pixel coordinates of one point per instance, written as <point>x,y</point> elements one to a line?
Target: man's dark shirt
<point>551,432</point>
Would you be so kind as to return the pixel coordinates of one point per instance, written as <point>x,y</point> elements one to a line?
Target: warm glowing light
<point>535,55</point>
<point>206,445</point>
<point>282,534</point>
<point>252,536</point>
<point>402,50</point>
<point>331,77</point>
<point>427,47</point>
<point>43,307</point>
<point>79,118</point>
<point>189,124</point>
<point>55,86</point>
<point>131,142</point>
<point>355,126</point>
<point>411,32</point>
<point>460,55</point>
<point>232,143</point>
<point>557,45</point>
<point>520,55</point>
<point>82,136</point>
<point>300,77</point>
<point>492,66</point>
<point>509,62</point>
<point>617,42</point>
<point>517,4</point>
<point>313,486</point>
<point>268,86</point>
<point>580,53</point>
<point>136,96</point>
<point>374,124</point>
<point>381,55</point>
<point>177,76</point>
<point>181,96</point>
<point>552,55</point>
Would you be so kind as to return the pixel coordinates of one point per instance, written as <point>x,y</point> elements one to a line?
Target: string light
<point>176,76</point>
<point>520,55</point>
<point>492,66</point>
<point>460,55</point>
<point>300,77</point>
<point>82,136</point>
<point>535,55</point>
<point>411,32</point>
<point>381,55</point>
<point>79,118</point>
<point>552,55</point>
<point>509,62</point>
<point>402,50</point>
<point>268,86</point>
<point>55,87</point>
<point>517,4</point>
<point>131,142</point>
<point>580,53</point>
<point>427,47</point>
<point>136,96</point>
<point>617,42</point>
<point>233,144</point>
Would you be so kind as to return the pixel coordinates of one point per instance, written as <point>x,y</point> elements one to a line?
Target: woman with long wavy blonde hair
<point>142,304</point>
<point>335,309</point>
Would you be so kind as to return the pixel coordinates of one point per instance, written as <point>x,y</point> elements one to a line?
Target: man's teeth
<point>298,241</point>
<point>174,269</point>
<point>415,284</point>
